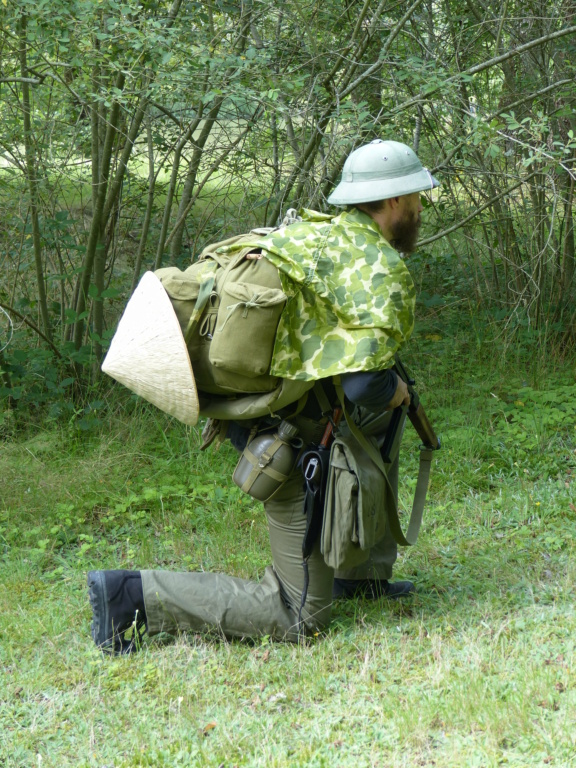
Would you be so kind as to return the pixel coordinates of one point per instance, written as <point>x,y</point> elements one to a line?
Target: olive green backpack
<point>228,307</point>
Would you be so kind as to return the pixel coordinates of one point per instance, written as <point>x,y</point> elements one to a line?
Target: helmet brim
<point>352,192</point>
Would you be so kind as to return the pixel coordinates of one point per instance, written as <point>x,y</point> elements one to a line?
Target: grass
<point>476,670</point>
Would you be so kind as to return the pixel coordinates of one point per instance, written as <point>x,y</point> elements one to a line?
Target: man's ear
<point>394,202</point>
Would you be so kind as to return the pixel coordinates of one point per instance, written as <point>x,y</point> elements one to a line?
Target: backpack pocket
<point>183,289</point>
<point>245,329</point>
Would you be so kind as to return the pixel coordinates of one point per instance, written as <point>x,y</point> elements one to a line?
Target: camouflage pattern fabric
<point>350,296</point>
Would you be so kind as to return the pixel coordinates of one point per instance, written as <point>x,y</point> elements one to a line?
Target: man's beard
<point>405,234</point>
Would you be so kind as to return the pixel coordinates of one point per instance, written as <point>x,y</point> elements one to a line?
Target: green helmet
<point>380,170</point>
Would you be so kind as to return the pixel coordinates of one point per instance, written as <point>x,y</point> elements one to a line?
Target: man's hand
<point>401,396</point>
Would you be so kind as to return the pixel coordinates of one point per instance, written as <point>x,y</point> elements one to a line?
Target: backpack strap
<point>323,401</point>
<point>204,293</point>
<point>426,455</point>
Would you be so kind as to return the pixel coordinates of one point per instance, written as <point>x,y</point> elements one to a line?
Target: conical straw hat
<point>148,353</point>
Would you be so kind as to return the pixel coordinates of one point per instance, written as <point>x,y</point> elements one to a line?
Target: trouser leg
<point>240,608</point>
<point>287,525</point>
<point>201,602</point>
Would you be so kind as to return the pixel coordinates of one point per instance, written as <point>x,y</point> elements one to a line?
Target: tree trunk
<point>32,179</point>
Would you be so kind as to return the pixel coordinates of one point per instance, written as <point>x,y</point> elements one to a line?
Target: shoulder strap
<point>203,296</point>
<point>320,394</point>
<point>426,456</point>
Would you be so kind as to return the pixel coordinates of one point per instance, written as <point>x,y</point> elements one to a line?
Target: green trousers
<point>234,607</point>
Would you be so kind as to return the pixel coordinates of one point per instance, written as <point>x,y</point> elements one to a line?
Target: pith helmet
<point>380,170</point>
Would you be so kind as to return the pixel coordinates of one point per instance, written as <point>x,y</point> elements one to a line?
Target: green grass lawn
<point>476,670</point>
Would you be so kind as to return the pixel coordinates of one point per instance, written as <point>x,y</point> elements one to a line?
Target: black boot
<point>371,589</point>
<point>117,604</point>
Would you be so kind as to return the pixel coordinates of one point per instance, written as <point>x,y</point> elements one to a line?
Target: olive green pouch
<point>243,338</point>
<point>355,508</point>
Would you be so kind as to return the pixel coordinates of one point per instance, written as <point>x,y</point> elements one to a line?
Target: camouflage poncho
<point>350,296</point>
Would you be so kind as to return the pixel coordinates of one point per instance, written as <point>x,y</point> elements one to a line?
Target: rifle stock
<point>416,412</point>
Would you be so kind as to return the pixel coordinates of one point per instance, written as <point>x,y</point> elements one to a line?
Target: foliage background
<point>133,134</point>
<point>476,670</point>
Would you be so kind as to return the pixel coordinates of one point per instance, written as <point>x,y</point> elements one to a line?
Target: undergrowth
<point>476,670</point>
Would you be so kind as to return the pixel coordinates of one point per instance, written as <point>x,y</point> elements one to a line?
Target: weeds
<point>476,670</point>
